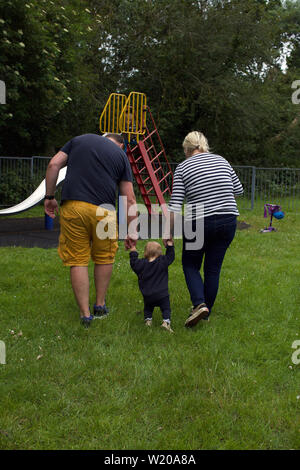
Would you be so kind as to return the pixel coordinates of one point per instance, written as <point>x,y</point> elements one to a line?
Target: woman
<point>208,183</point>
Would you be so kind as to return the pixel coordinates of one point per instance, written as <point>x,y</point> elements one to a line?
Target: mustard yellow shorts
<point>87,231</point>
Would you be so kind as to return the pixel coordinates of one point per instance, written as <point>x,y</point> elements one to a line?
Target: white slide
<point>36,197</point>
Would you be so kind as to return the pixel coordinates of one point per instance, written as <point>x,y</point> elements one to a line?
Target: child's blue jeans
<point>163,304</point>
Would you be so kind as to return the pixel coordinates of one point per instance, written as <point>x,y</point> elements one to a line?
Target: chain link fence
<point>270,185</point>
<point>19,177</point>
<point>267,185</point>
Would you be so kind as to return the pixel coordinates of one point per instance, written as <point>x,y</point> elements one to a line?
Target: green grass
<point>226,384</point>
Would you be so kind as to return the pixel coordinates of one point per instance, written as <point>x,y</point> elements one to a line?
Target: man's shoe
<point>86,321</point>
<point>100,312</point>
<point>166,326</point>
<point>200,312</point>
<point>148,322</point>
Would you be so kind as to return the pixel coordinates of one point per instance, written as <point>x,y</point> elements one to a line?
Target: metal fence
<point>25,167</point>
<point>20,176</point>
<point>270,185</point>
<point>267,185</point>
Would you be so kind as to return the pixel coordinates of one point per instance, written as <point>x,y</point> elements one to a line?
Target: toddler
<point>152,272</point>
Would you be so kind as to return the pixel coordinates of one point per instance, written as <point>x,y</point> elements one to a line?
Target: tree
<point>42,61</point>
<point>212,65</point>
<point>203,64</point>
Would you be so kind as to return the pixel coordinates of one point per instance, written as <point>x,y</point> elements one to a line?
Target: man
<point>95,168</point>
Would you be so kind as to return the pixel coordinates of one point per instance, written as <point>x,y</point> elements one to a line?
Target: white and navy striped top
<point>207,181</point>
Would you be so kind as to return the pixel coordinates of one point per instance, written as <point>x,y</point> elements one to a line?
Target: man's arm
<point>55,165</point>
<point>126,190</point>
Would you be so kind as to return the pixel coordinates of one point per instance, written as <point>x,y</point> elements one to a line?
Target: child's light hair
<point>152,250</point>
<point>195,141</point>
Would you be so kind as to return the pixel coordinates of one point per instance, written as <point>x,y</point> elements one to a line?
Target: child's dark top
<point>153,275</point>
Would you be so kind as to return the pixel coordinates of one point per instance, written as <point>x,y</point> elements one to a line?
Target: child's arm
<point>170,252</point>
<point>135,263</point>
<point>132,248</point>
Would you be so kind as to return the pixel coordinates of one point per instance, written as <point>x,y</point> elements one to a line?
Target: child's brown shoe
<point>166,326</point>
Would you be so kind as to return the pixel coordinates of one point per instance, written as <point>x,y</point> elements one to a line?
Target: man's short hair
<point>117,137</point>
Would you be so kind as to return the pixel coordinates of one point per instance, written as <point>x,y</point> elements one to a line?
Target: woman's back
<point>206,179</point>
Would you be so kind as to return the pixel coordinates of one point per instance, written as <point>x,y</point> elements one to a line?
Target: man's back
<point>95,167</point>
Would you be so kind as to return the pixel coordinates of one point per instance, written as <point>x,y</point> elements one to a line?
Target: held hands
<point>132,248</point>
<point>130,243</point>
<point>168,240</point>
<point>51,207</point>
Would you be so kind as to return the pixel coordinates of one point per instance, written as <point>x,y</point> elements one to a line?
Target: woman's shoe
<point>200,312</point>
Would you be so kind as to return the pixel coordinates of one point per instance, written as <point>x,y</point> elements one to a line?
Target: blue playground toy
<point>274,210</point>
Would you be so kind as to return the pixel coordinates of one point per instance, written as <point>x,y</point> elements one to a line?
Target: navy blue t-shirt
<point>95,167</point>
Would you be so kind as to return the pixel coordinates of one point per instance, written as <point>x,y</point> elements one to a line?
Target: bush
<point>14,188</point>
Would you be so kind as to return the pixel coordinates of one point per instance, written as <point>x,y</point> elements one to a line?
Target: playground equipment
<point>127,115</point>
<point>36,197</point>
<point>144,148</point>
<point>274,210</point>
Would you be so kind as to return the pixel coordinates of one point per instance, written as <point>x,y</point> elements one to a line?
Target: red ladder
<point>151,167</point>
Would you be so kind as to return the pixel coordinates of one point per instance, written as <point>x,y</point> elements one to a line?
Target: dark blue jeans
<point>163,304</point>
<point>219,231</point>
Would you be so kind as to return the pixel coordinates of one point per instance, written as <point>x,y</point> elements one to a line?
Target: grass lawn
<point>226,384</point>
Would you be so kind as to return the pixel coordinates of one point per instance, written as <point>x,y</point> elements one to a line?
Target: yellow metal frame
<point>125,114</point>
<point>133,115</point>
<point>110,118</point>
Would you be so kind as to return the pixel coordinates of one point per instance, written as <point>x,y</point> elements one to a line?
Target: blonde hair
<point>152,250</point>
<point>195,141</point>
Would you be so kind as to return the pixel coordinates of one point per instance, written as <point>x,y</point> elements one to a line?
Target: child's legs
<point>165,307</point>
<point>148,310</point>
